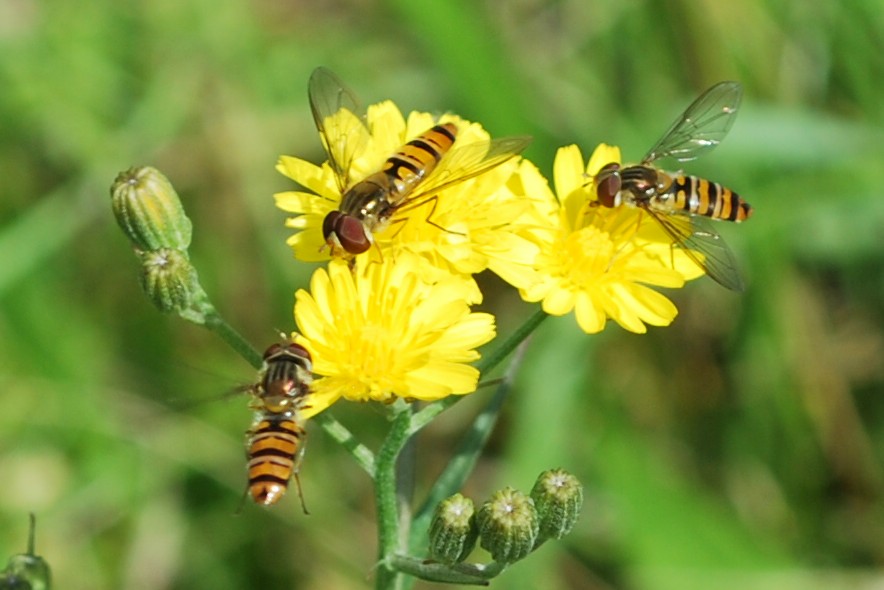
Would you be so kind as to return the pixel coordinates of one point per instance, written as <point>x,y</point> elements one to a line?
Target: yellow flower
<point>465,228</point>
<point>381,331</point>
<point>597,261</point>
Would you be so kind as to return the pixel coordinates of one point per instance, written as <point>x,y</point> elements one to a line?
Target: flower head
<point>597,261</point>
<point>453,532</point>
<point>558,497</point>
<point>383,331</point>
<point>466,227</point>
<point>508,525</point>
<point>149,211</point>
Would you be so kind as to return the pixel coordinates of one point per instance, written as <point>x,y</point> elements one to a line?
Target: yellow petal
<point>320,399</point>
<point>387,128</point>
<point>603,155</point>
<point>317,179</point>
<point>568,171</point>
<point>590,317</point>
<point>559,301</point>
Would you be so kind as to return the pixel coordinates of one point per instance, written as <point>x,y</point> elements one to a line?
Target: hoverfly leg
<point>399,223</point>
<point>672,255</point>
<point>638,225</point>
<point>375,256</point>
<point>242,502</point>
<point>429,218</point>
<point>300,493</point>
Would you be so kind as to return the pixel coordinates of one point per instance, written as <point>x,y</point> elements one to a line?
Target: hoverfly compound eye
<point>345,231</point>
<point>299,351</point>
<point>328,224</point>
<point>352,234</point>
<point>608,184</point>
<point>272,350</point>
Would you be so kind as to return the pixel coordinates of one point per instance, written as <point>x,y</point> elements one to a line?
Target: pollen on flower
<point>382,332</point>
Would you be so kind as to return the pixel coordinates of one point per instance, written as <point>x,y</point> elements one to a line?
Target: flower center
<point>588,255</point>
<point>372,359</point>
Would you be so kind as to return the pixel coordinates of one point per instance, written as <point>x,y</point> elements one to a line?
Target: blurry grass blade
<point>42,230</point>
<point>456,35</point>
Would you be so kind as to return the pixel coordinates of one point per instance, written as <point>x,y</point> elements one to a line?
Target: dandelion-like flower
<point>382,331</point>
<point>465,228</point>
<point>598,261</point>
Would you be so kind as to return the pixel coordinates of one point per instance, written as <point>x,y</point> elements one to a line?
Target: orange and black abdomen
<point>419,157</point>
<point>275,446</point>
<point>704,197</point>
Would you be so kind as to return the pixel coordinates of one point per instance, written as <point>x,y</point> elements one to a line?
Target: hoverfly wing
<point>181,405</point>
<point>339,121</point>
<point>469,161</point>
<point>701,127</point>
<point>696,237</point>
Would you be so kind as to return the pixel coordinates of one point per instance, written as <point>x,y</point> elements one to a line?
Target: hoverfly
<point>679,203</point>
<point>276,439</point>
<point>413,175</point>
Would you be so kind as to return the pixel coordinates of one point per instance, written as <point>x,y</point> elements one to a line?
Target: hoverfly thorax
<point>287,371</point>
<point>644,184</point>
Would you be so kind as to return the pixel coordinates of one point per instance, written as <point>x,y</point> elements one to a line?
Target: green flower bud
<point>169,279</point>
<point>558,497</point>
<point>149,211</point>
<point>453,530</point>
<point>26,571</point>
<point>508,525</point>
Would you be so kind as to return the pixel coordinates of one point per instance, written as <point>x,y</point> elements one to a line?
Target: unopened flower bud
<point>558,497</point>
<point>169,279</point>
<point>26,571</point>
<point>508,525</point>
<point>149,211</point>
<point>29,572</point>
<point>453,530</point>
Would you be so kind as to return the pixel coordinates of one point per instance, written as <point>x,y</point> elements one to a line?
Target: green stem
<point>511,343</point>
<point>475,574</point>
<point>341,434</point>
<point>216,324</point>
<point>488,363</point>
<point>32,532</point>
<point>386,497</point>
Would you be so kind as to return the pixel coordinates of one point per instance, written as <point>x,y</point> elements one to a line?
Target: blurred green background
<point>740,448</point>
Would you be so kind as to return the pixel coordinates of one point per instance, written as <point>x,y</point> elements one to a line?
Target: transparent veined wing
<point>702,126</point>
<point>339,121</point>
<point>696,237</point>
<point>468,161</point>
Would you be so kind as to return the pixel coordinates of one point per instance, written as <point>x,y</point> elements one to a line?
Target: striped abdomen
<point>418,158</point>
<point>402,173</point>
<point>703,197</point>
<point>275,447</point>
